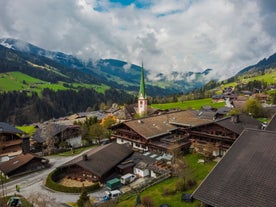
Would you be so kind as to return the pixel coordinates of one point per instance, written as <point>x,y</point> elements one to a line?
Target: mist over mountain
<point>116,73</point>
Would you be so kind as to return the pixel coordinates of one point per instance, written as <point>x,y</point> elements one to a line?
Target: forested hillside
<point>21,108</point>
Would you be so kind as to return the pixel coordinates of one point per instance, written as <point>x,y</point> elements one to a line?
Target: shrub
<point>147,201</point>
<point>168,192</point>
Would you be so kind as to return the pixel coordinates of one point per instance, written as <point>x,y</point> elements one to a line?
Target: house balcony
<point>213,136</point>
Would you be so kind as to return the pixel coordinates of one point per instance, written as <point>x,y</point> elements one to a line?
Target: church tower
<point>142,99</point>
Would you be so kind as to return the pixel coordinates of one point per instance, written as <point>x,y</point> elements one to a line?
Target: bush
<point>147,201</point>
<point>54,176</point>
<point>168,192</point>
<point>181,185</point>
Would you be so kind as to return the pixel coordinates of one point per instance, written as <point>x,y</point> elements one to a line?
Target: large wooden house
<point>246,174</point>
<point>214,139</point>
<point>161,133</point>
<point>97,164</point>
<point>56,136</point>
<point>12,141</point>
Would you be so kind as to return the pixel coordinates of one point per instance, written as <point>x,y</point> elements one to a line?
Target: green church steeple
<point>142,93</point>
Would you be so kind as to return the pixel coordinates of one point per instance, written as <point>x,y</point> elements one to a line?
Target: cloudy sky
<point>168,35</point>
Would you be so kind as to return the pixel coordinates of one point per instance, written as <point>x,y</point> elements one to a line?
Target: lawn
<point>193,104</point>
<point>75,152</point>
<point>199,172</point>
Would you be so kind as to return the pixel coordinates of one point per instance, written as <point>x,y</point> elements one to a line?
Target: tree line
<point>19,108</point>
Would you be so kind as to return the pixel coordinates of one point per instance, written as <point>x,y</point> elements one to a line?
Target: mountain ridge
<point>117,73</point>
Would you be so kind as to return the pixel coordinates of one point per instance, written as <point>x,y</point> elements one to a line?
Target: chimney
<point>235,118</point>
<point>84,157</point>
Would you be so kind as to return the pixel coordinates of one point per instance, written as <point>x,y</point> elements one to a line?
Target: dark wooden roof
<point>51,130</point>
<point>246,175</point>
<point>17,162</point>
<point>238,124</point>
<point>6,128</point>
<point>272,124</point>
<point>102,159</point>
<point>154,126</point>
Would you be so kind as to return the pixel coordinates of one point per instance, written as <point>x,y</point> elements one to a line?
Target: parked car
<point>14,202</point>
<point>111,194</point>
<point>186,198</point>
<point>128,178</point>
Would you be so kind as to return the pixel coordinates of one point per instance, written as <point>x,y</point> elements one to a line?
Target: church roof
<point>142,93</point>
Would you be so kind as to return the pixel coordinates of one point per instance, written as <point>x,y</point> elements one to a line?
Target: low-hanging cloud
<point>167,36</point>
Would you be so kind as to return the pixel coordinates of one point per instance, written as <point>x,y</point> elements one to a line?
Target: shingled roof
<point>246,175</point>
<point>238,123</point>
<point>150,127</point>
<point>6,128</point>
<point>51,130</point>
<point>102,159</point>
<point>17,162</point>
<point>272,124</point>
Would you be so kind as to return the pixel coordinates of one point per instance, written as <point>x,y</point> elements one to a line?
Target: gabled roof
<point>51,130</point>
<point>17,162</point>
<point>102,159</point>
<point>238,123</point>
<point>154,126</point>
<point>6,128</point>
<point>246,175</point>
<point>272,124</point>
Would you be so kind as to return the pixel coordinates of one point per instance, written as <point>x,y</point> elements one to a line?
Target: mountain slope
<point>114,73</point>
<point>266,63</point>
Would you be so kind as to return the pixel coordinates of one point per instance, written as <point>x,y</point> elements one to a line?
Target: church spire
<point>142,99</point>
<point>142,93</point>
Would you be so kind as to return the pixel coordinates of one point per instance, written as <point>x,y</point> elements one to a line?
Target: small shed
<point>113,184</point>
<point>141,169</point>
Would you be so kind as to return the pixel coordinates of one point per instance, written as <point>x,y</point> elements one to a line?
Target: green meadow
<point>17,81</point>
<point>156,193</point>
<point>193,104</point>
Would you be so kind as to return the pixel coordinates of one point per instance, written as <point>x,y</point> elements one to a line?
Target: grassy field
<point>199,172</point>
<point>17,81</point>
<point>269,78</point>
<point>30,130</point>
<point>193,104</point>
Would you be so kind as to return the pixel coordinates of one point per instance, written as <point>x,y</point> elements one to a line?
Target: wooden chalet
<point>214,139</point>
<point>98,164</point>
<point>12,141</point>
<point>57,133</point>
<point>245,176</point>
<point>22,164</point>
<point>163,133</point>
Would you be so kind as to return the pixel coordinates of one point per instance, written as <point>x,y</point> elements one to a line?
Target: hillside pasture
<point>17,81</point>
<point>193,104</point>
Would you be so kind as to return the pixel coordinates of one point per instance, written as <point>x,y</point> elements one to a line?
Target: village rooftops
<point>6,128</point>
<point>246,175</point>
<point>102,159</point>
<point>154,126</point>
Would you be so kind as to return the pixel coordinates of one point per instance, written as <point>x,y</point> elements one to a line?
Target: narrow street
<point>32,185</point>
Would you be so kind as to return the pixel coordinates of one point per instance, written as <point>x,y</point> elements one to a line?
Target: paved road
<point>32,185</point>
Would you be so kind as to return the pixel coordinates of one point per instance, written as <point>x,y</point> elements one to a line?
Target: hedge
<point>51,182</point>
